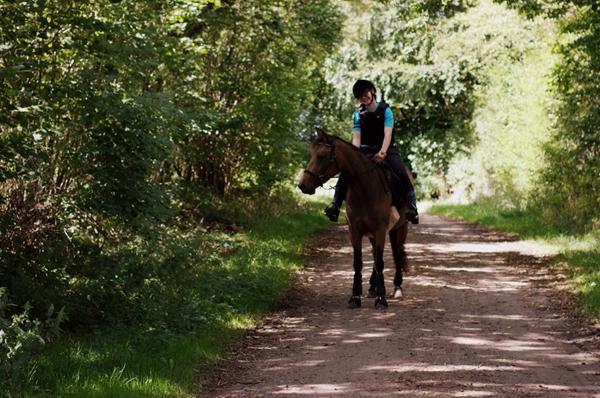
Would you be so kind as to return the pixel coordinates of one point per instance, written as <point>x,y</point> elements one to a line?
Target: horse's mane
<point>327,140</point>
<point>323,140</point>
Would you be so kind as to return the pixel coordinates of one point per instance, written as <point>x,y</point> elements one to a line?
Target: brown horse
<point>369,209</point>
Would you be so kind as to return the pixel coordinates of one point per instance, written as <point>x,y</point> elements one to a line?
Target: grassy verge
<point>580,253</point>
<point>241,276</point>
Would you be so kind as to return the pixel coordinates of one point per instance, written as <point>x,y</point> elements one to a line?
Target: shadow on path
<point>471,325</point>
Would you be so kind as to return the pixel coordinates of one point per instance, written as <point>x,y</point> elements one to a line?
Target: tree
<point>570,186</point>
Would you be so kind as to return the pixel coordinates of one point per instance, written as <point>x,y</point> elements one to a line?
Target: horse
<point>369,210</point>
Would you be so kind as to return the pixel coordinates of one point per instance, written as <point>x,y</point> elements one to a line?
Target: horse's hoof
<point>371,293</point>
<point>354,302</point>
<point>398,293</point>
<point>380,302</point>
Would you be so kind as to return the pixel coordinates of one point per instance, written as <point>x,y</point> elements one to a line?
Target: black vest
<point>372,125</point>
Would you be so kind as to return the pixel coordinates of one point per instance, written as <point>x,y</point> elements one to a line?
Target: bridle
<point>331,161</point>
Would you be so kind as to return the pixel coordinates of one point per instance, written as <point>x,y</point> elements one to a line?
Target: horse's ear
<point>322,135</point>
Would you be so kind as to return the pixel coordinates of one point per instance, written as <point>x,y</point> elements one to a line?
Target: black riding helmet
<point>361,86</point>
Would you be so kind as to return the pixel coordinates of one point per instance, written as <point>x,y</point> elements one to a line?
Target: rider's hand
<point>380,156</point>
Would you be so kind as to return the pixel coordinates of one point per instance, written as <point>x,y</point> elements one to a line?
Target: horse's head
<point>322,164</point>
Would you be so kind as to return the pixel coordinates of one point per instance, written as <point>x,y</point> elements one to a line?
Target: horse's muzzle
<point>306,189</point>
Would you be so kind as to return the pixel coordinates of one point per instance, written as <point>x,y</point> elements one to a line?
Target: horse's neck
<point>352,162</point>
<point>362,177</point>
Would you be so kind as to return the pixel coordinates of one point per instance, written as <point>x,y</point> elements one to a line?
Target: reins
<point>333,161</point>
<point>373,167</point>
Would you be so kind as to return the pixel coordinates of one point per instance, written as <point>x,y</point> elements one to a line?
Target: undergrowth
<point>206,284</point>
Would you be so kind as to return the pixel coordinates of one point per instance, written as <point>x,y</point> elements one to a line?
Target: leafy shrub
<point>569,186</point>
<point>22,336</point>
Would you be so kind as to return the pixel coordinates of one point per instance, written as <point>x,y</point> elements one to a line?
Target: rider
<point>373,133</point>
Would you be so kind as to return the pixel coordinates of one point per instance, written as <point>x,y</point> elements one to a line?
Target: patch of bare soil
<point>481,317</point>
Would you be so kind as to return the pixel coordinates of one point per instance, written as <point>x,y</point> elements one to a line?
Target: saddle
<point>391,182</point>
<point>394,184</point>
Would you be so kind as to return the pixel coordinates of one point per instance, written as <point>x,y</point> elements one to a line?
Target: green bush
<point>569,186</point>
<point>129,129</point>
<point>21,337</point>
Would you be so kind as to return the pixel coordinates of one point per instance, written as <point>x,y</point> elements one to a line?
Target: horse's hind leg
<point>354,301</point>
<point>378,246</point>
<point>397,239</point>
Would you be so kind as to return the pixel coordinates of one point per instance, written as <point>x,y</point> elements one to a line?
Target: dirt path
<point>473,323</point>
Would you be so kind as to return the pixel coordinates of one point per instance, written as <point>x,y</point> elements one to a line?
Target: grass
<point>580,253</point>
<point>584,269</point>
<point>247,276</point>
<point>526,225</point>
<point>126,363</point>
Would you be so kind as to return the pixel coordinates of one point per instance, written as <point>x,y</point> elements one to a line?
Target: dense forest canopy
<point>127,129</point>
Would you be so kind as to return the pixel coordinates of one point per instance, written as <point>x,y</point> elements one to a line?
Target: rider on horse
<point>373,133</point>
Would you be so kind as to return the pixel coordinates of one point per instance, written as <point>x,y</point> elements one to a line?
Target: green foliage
<point>511,120</point>
<point>111,111</point>
<point>206,294</point>
<point>128,130</point>
<point>430,93</point>
<point>584,269</point>
<point>569,187</point>
<point>430,59</point>
<point>21,337</point>
<point>572,183</point>
<point>524,223</point>
<point>243,100</point>
<point>79,113</point>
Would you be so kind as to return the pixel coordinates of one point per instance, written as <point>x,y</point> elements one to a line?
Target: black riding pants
<point>392,159</point>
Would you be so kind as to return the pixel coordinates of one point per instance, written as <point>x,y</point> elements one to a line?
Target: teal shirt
<point>388,122</point>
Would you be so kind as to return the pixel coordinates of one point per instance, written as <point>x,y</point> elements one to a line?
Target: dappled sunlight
<point>307,363</point>
<point>474,394</point>
<point>530,248</point>
<point>505,345</point>
<point>459,332</point>
<point>501,285</point>
<point>517,362</point>
<point>333,332</point>
<point>426,367</point>
<point>484,270</point>
<point>311,389</point>
<point>373,335</point>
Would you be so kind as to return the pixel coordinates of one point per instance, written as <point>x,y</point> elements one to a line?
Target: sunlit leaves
<point>570,186</point>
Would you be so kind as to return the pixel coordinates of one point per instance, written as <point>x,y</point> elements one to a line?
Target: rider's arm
<point>387,131</point>
<point>356,138</point>
<point>356,130</point>
<point>387,139</point>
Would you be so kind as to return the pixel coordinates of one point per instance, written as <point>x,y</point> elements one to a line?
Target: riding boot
<point>412,213</point>
<point>333,210</point>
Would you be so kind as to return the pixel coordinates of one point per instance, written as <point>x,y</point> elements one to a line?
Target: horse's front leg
<point>373,278</point>
<point>378,246</point>
<point>356,238</point>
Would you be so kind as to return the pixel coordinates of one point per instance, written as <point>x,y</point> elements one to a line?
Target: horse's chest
<point>364,225</point>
